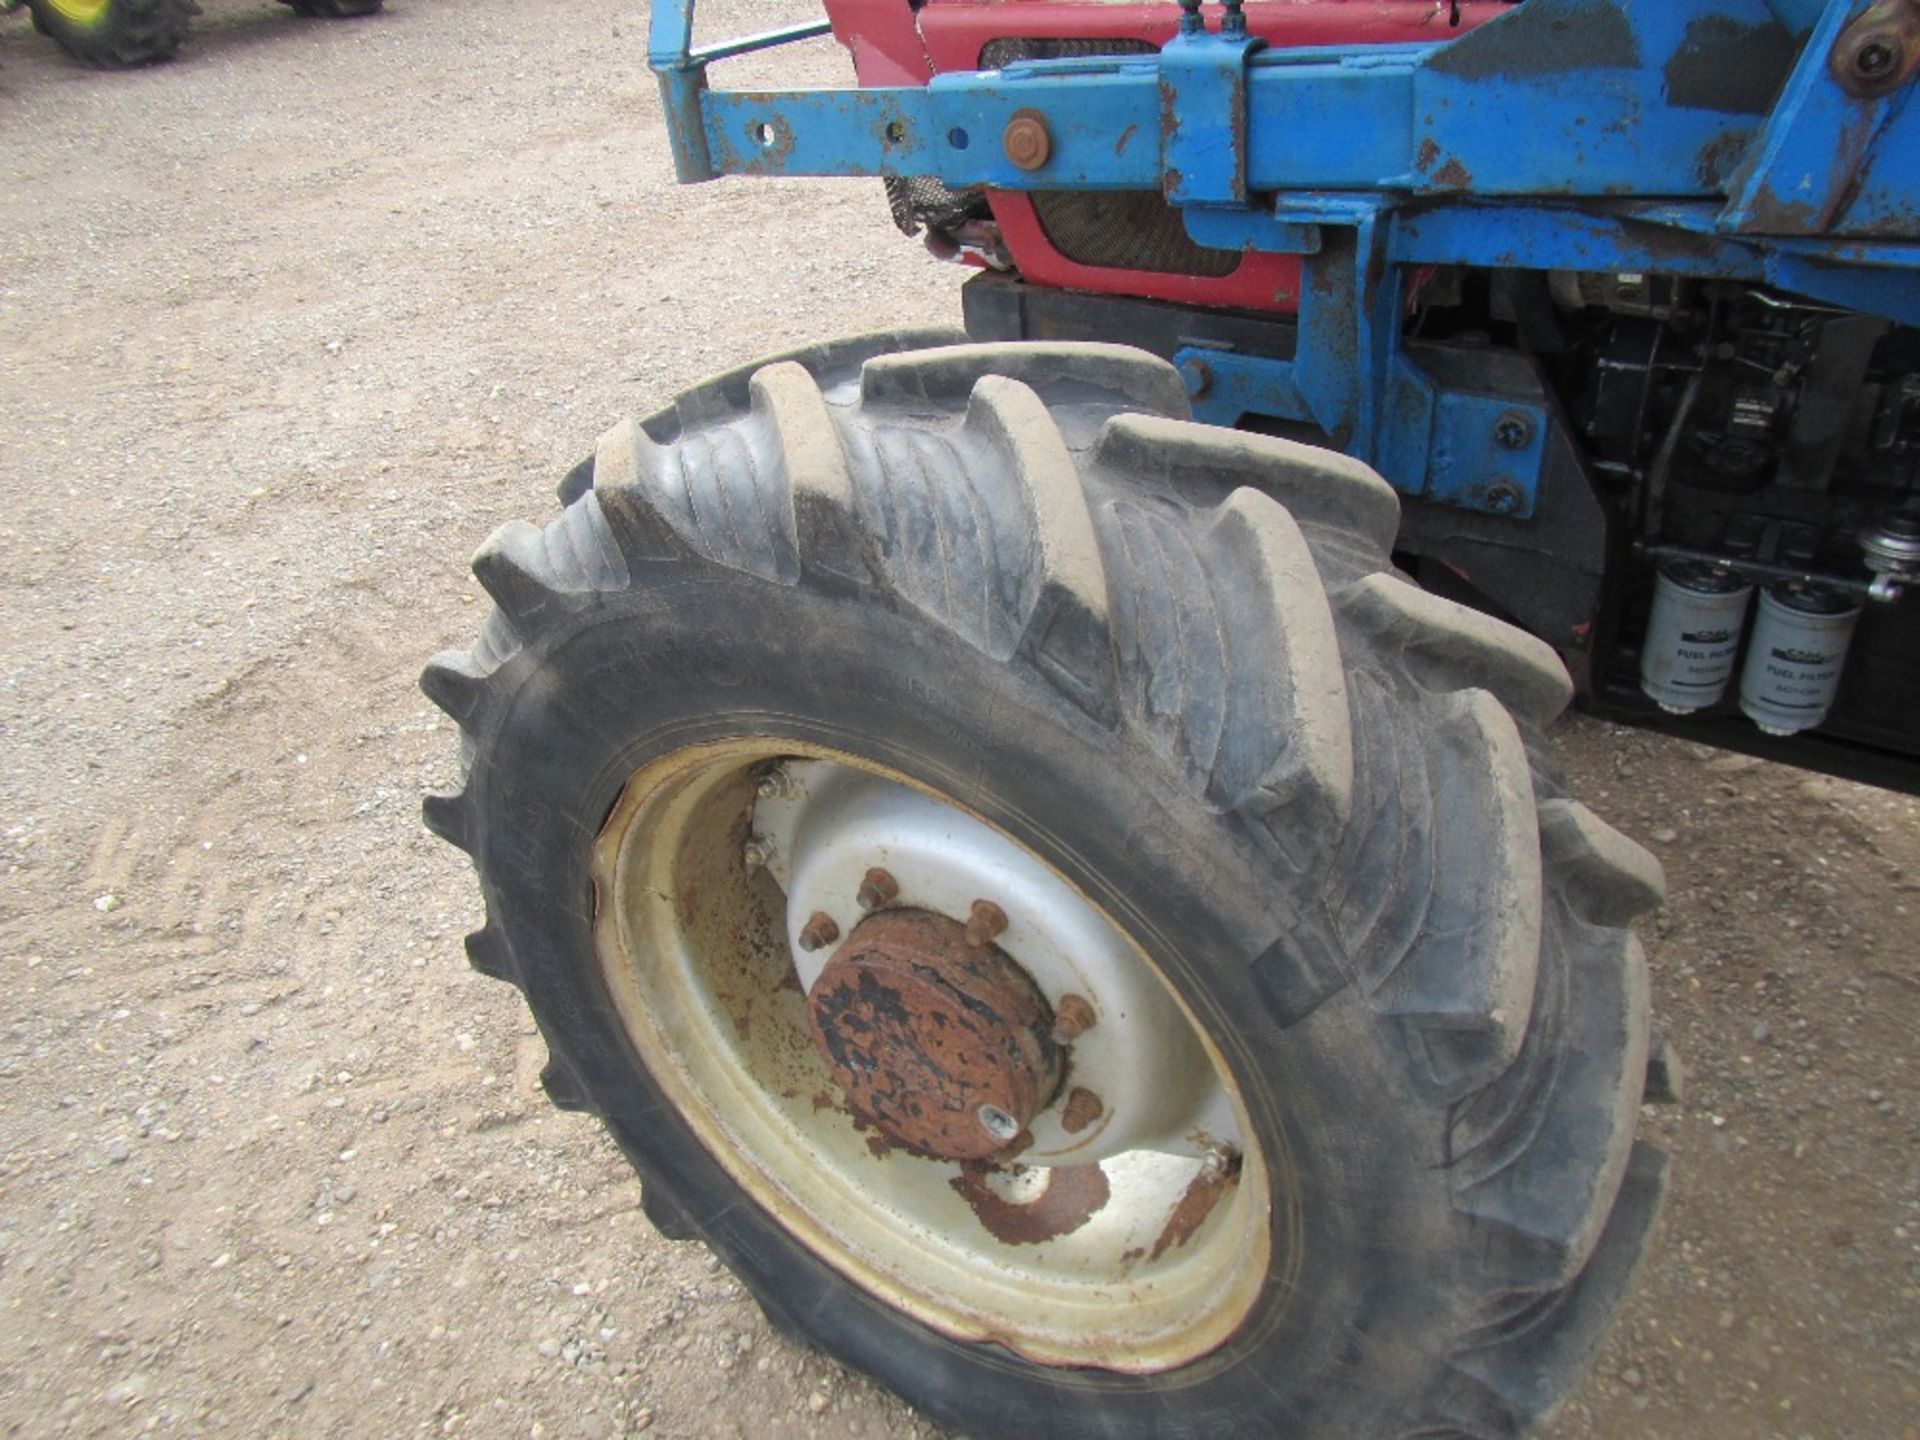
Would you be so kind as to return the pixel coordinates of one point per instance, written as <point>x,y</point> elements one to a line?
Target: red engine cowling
<point>1129,243</point>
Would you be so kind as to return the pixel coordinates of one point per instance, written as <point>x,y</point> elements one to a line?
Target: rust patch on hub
<point>925,1030</point>
<point>1074,1195</point>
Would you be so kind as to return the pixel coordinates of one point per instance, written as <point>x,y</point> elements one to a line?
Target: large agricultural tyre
<point>1026,881</point>
<point>115,34</point>
<point>332,9</point>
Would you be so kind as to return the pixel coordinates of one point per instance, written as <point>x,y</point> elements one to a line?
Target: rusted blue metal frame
<point>1593,98</point>
<point>1827,162</point>
<point>1700,137</point>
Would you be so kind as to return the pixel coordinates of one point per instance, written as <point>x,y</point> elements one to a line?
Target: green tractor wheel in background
<point>119,34</point>
<point>115,34</point>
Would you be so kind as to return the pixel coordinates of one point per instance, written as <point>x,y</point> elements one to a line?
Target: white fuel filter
<point>1793,665</point>
<point>1693,635</point>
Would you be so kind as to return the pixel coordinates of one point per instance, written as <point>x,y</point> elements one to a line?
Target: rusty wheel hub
<point>934,1036</point>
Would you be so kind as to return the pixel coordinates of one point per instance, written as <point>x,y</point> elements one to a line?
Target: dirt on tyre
<point>115,34</point>
<point>1027,882</point>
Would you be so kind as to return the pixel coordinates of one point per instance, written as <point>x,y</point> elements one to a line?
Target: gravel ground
<point>286,328</point>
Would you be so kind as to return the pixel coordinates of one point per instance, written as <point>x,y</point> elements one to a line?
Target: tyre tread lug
<point>1287,732</point>
<point>1324,491</point>
<point>820,518</point>
<point>487,952</point>
<point>1055,369</point>
<point>1062,604</point>
<point>1613,880</point>
<point>1464,989</point>
<point>456,683</point>
<point>1576,1087</point>
<point>1454,647</point>
<point>563,1087</point>
<point>448,816</point>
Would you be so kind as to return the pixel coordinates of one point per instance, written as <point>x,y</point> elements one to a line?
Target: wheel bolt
<point>998,1123</point>
<point>1072,1017</point>
<point>820,930</point>
<point>1083,1108</point>
<point>757,853</point>
<point>986,921</point>
<point>877,888</point>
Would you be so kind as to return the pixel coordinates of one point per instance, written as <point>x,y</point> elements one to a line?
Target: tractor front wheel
<point>1027,882</point>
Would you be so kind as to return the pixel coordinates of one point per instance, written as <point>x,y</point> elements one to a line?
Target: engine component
<point>1693,635</point>
<point>1793,666</point>
<point>1894,548</point>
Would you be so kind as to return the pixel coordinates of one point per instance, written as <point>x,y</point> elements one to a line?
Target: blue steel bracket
<point>1473,452</point>
<point>1351,378</point>
<point>682,73</point>
<point>1203,110</point>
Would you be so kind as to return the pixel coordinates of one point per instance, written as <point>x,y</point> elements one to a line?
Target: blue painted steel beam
<point>1423,134</point>
<point>1577,98</point>
<point>1878,276</point>
<point>1591,98</point>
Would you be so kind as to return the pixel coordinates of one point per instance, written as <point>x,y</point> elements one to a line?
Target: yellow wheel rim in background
<point>80,12</point>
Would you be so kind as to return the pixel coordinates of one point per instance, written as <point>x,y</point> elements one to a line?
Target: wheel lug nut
<point>757,853</point>
<point>1083,1108</point>
<point>877,888</point>
<point>820,930</point>
<point>986,921</point>
<point>1072,1018</point>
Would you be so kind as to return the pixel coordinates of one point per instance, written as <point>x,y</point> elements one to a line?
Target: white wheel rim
<point>701,953</point>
